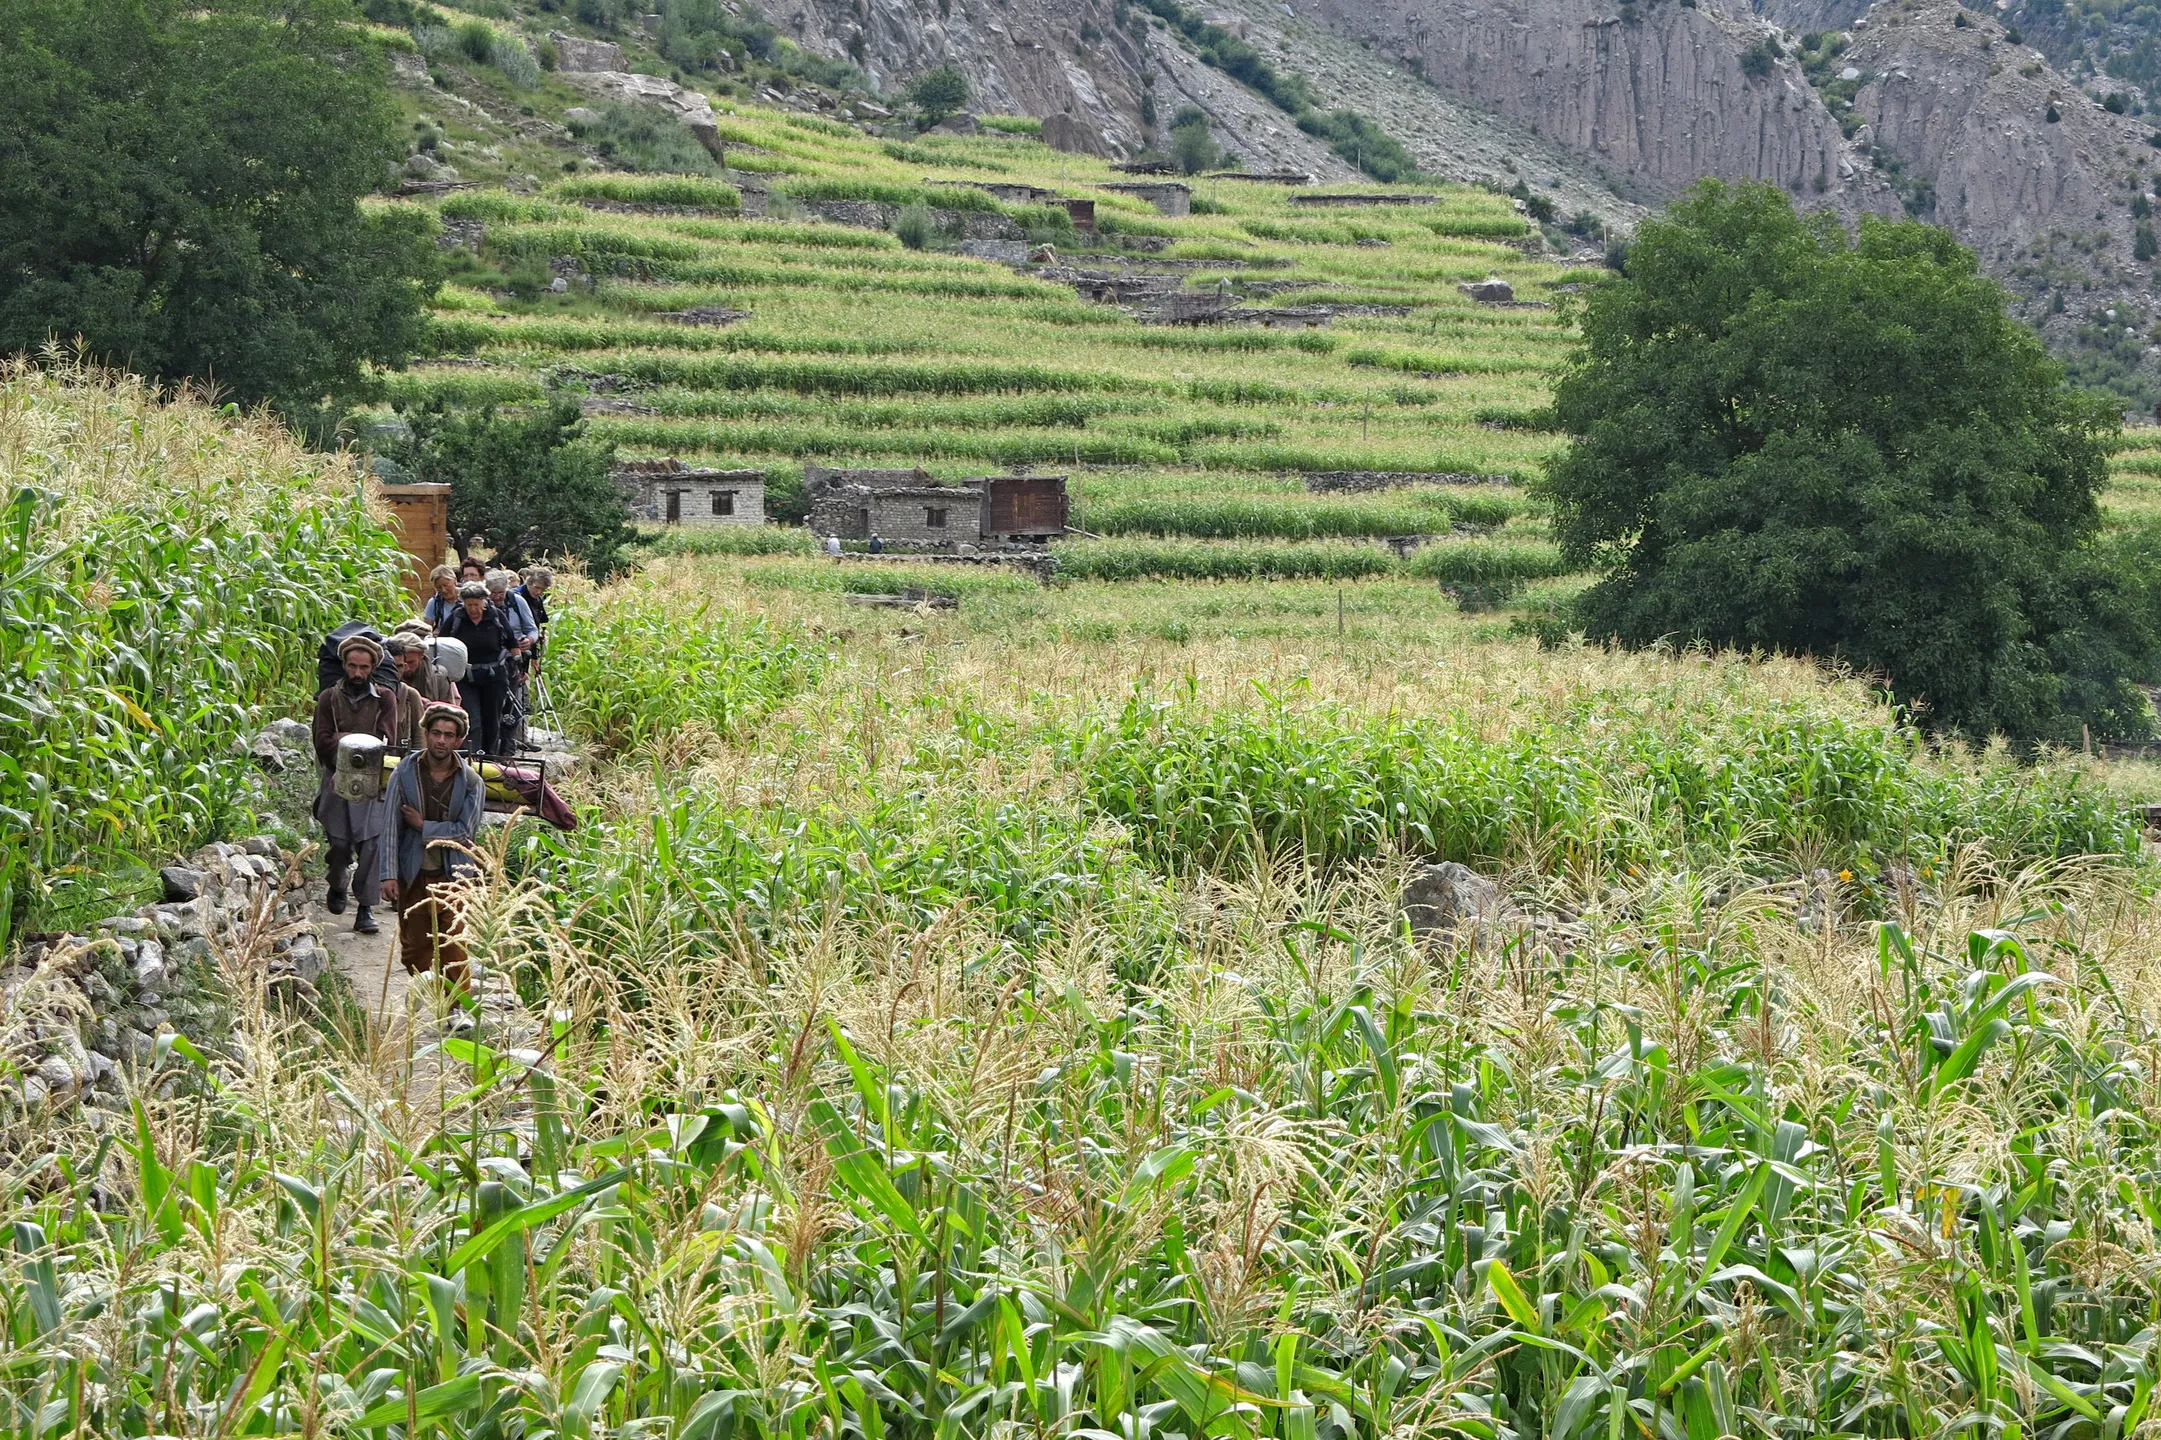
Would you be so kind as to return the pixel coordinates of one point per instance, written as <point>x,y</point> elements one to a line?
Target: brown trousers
<point>427,930</point>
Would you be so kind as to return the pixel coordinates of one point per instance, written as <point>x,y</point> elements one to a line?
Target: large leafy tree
<point>1789,438</point>
<point>180,190</point>
<point>528,484</point>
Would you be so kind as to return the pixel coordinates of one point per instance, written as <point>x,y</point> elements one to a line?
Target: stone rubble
<point>78,1008</point>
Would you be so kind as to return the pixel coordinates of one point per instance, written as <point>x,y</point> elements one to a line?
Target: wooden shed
<point>420,517</point>
<point>1024,507</point>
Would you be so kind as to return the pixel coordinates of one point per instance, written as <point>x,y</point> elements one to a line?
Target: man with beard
<point>354,706</point>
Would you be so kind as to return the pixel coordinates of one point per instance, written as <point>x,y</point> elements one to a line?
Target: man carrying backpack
<point>356,705</point>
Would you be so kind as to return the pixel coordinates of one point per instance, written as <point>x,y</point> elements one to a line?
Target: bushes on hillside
<point>642,137</point>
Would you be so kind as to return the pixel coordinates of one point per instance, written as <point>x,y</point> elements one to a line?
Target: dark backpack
<point>330,670</point>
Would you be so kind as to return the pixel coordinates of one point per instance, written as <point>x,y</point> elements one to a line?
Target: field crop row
<point>1450,562</point>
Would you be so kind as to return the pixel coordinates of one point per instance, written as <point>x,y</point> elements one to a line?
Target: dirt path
<point>407,1012</point>
<point>361,959</point>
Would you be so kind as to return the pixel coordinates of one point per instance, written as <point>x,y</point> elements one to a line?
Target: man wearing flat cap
<point>434,802</point>
<point>354,706</point>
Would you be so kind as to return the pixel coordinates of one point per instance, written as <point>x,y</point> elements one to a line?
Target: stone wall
<point>907,514</point>
<point>77,1009</point>
<point>839,513</point>
<point>1322,482</point>
<point>1171,197</point>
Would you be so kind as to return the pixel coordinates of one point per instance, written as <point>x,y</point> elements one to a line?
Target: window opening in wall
<point>934,517</point>
<point>723,502</point>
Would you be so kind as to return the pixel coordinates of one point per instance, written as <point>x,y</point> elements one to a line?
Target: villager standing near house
<point>354,706</point>
<point>489,646</point>
<point>434,805</point>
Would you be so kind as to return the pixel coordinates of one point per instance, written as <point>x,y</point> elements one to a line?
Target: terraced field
<point>1186,442</point>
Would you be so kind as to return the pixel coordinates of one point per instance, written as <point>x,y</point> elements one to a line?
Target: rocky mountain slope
<point>2039,179</point>
<point>1122,73</point>
<point>1607,105</point>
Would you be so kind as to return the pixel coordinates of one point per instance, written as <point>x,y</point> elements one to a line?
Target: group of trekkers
<point>410,692</point>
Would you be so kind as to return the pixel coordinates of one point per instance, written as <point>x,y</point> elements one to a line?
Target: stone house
<point>909,507</point>
<point>1170,197</point>
<point>668,492</point>
<point>904,505</point>
<point>925,514</point>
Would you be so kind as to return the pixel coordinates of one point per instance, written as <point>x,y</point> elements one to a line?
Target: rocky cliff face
<point>1122,74</point>
<point>2046,202</point>
<point>1605,105</point>
<point>1027,57</point>
<point>1658,95</point>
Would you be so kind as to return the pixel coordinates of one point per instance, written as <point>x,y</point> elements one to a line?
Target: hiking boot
<point>364,922</point>
<point>334,902</point>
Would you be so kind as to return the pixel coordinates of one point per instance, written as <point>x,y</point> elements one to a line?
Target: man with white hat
<point>355,706</point>
<point>434,804</point>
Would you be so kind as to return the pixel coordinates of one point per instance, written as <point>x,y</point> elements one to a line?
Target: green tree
<point>1192,146</point>
<point>1791,439</point>
<point>180,187</point>
<point>938,94</point>
<point>530,484</point>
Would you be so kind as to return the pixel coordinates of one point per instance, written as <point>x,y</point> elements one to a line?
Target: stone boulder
<point>574,56</point>
<point>283,745</point>
<point>1447,896</point>
<point>961,124</point>
<point>1063,132</point>
<point>1489,292</point>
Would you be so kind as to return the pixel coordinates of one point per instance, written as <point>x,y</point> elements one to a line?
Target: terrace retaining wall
<point>1328,482</point>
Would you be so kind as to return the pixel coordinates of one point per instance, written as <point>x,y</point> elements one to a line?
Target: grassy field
<point>998,1022</point>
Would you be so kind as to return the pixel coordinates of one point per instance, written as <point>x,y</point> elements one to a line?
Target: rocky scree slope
<point>1122,74</point>
<point>2039,179</point>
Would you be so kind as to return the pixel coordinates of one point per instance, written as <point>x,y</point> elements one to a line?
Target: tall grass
<point>166,571</point>
<point>634,666</point>
<point>1486,562</point>
<point>1286,517</point>
<point>650,190</point>
<point>928,1112</point>
<point>1201,785</point>
<point>733,540</point>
